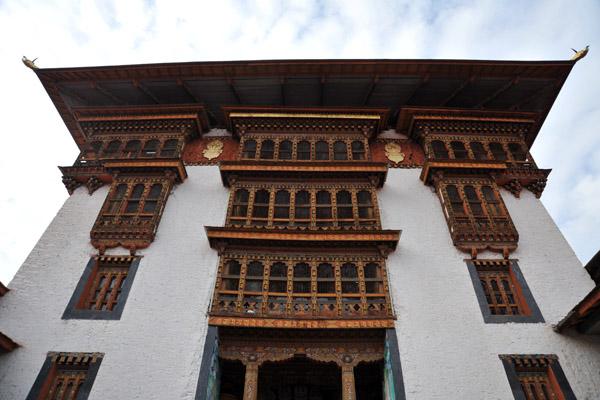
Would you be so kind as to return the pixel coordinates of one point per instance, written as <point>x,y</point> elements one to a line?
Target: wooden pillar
<point>251,381</point>
<point>348,389</point>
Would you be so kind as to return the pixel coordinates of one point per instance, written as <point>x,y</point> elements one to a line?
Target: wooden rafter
<point>491,97</point>
<point>370,90</point>
<point>282,85</point>
<point>147,91</point>
<point>234,90</point>
<point>457,91</point>
<point>188,90</point>
<point>423,80</point>
<point>71,93</point>
<point>517,106</point>
<point>108,93</point>
<point>322,92</point>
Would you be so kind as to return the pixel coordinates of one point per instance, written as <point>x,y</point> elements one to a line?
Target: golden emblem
<point>213,149</point>
<point>393,151</point>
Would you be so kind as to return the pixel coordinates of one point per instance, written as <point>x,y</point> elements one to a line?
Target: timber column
<point>348,389</point>
<point>251,381</point>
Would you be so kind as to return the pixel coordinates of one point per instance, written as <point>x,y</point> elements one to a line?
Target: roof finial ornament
<point>580,54</point>
<point>30,63</point>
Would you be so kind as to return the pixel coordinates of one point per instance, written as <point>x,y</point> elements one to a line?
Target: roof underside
<point>391,84</point>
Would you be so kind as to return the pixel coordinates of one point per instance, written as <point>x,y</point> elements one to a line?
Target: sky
<point>106,32</point>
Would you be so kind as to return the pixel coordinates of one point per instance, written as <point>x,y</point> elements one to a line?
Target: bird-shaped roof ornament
<point>29,63</point>
<point>580,54</point>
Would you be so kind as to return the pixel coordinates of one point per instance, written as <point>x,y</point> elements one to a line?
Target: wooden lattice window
<point>502,292</point>
<point>302,286</point>
<point>105,148</point>
<point>103,288</point>
<point>537,377</point>
<point>317,206</point>
<point>135,200</point>
<point>66,376</point>
<point>303,149</point>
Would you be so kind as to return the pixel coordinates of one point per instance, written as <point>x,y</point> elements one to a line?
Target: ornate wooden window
<point>479,152</point>
<point>272,147</point>
<point>498,151</point>
<point>459,150</point>
<point>131,212</point>
<point>105,148</point>
<point>66,376</point>
<point>477,217</point>
<point>103,288</point>
<point>536,377</point>
<point>288,205</point>
<point>502,292</point>
<point>294,286</point>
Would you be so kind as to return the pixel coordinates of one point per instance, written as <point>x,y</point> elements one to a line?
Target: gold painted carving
<point>213,149</point>
<point>393,151</point>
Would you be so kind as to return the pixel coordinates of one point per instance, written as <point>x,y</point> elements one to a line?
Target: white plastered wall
<point>154,350</point>
<point>446,349</point>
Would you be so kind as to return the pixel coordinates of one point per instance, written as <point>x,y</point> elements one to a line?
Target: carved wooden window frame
<point>94,298</point>
<point>539,373</point>
<point>500,285</point>
<point>353,152</point>
<point>519,156</point>
<point>62,368</point>
<point>364,215</point>
<point>491,218</point>
<point>282,292</point>
<point>91,154</point>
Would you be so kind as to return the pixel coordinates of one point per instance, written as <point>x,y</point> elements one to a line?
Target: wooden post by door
<point>251,381</point>
<point>348,388</point>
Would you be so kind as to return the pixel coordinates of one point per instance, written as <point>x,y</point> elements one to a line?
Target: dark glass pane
<point>279,270</point>
<point>169,148</point>
<point>498,151</point>
<point>282,197</point>
<point>358,151</point>
<point>323,197</point>
<point>261,196</point>
<point>150,148</point>
<point>301,270</point>
<point>439,149</point>
<point>301,287</point>
<point>488,193</point>
<point>154,192</point>
<point>372,270</point>
<point>349,270</point>
<point>232,267</point>
<point>340,151</point>
<point>255,268</point>
<point>364,198</point>
<point>285,150</point>
<point>303,150</point>
<point>302,197</point>
<point>453,193</point>
<point>137,191</point>
<point>241,196</point>
<point>325,271</point>
<point>277,286</point>
<point>131,207</point>
<point>249,150</point>
<point>460,152</point>
<point>479,151</point>
<point>326,287</point>
<point>120,192</point>
<point>471,193</point>
<point>267,150</point>
<point>344,197</point>
<point>322,150</point>
<point>149,207</point>
<point>517,152</point>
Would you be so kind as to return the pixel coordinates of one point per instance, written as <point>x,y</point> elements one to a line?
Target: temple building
<point>303,230</point>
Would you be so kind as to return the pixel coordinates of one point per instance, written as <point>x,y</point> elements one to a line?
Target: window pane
<point>278,269</point>
<point>498,151</point>
<point>150,148</point>
<point>459,150</point>
<point>439,149</point>
<point>322,150</point>
<point>285,150</point>
<point>303,150</point>
<point>479,151</point>
<point>255,268</point>
<point>349,270</point>
<point>358,151</point>
<point>340,151</point>
<point>267,150</point>
<point>301,270</point>
<point>249,150</point>
<point>137,191</point>
<point>325,271</point>
<point>169,148</point>
<point>155,192</point>
<point>372,270</point>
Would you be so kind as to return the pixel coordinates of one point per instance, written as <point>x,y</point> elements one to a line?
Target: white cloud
<point>81,33</point>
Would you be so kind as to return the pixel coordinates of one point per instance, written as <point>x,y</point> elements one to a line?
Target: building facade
<point>315,230</point>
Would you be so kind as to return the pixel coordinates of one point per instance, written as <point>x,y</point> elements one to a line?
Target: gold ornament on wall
<point>393,151</point>
<point>213,149</point>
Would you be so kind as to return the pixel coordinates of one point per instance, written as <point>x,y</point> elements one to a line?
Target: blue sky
<point>83,33</point>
